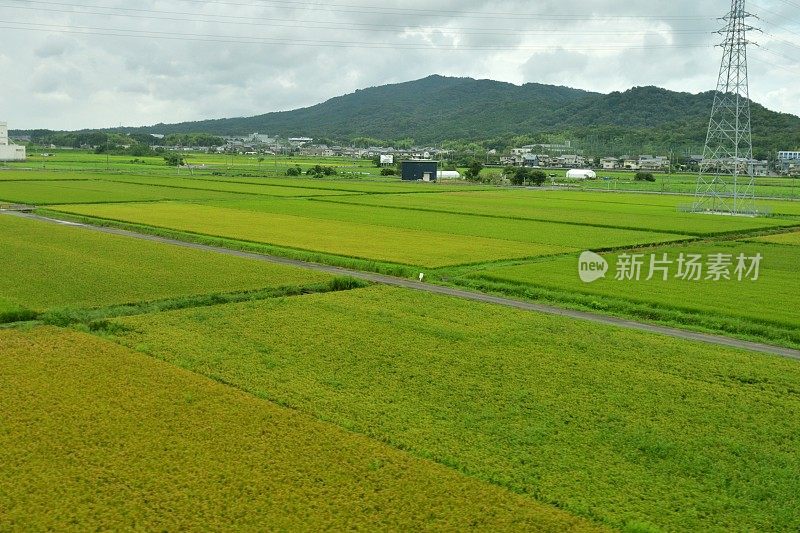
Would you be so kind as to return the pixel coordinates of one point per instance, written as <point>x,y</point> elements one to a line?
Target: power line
<point>329,25</point>
<point>434,12</point>
<point>775,65</point>
<point>778,54</point>
<point>372,10</point>
<point>773,23</point>
<point>784,41</point>
<point>152,34</point>
<point>791,4</point>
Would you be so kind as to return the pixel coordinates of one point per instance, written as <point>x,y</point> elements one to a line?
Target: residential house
<point>531,160</point>
<point>610,163</point>
<point>629,163</point>
<point>651,163</point>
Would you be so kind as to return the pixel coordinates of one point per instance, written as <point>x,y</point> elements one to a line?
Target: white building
<point>8,151</point>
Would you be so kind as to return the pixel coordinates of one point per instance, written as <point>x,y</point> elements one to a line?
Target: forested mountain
<point>429,110</point>
<point>437,109</point>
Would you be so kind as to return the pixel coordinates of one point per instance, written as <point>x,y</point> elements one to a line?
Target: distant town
<point>563,155</point>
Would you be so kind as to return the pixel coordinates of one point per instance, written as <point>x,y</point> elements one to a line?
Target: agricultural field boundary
<point>95,318</point>
<point>457,293</point>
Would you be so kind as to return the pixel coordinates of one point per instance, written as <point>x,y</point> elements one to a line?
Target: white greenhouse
<point>576,174</point>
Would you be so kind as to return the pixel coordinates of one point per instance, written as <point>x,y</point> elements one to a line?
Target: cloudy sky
<point>70,64</point>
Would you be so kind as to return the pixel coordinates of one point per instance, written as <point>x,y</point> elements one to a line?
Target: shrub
<point>644,176</point>
<point>523,175</point>
<point>173,160</point>
<point>538,177</point>
<point>318,171</point>
<point>474,171</point>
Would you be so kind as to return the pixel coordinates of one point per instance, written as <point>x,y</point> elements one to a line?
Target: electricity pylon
<point>726,184</point>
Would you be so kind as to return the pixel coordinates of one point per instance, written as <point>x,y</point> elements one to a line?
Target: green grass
<point>639,212</point>
<point>96,437</point>
<point>47,266</point>
<point>621,426</point>
<point>13,312</point>
<point>350,239</point>
<point>96,319</point>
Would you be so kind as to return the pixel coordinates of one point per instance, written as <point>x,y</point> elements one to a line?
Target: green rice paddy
<point>187,389</point>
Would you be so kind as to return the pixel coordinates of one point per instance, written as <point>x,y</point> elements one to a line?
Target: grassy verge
<point>11,312</point>
<point>96,319</point>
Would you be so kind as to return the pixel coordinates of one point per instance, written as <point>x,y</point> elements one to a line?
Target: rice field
<point>265,188</point>
<point>48,266</point>
<point>187,389</point>
<point>98,437</point>
<point>349,239</point>
<point>782,238</point>
<point>637,212</point>
<point>771,301</point>
<point>526,231</point>
<point>637,429</point>
<point>53,192</point>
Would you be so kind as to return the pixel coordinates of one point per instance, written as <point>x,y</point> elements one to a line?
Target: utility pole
<point>729,146</point>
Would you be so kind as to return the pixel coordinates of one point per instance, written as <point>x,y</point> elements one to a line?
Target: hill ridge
<point>437,108</point>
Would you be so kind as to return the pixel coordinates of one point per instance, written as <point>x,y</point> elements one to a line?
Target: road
<point>447,291</point>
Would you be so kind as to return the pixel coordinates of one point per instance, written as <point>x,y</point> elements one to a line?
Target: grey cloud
<point>73,81</point>
<point>53,47</point>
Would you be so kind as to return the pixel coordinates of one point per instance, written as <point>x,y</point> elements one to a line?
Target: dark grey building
<point>530,160</point>
<point>419,170</point>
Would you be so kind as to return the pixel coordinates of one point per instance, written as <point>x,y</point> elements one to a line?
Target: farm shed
<point>576,174</point>
<point>420,170</point>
